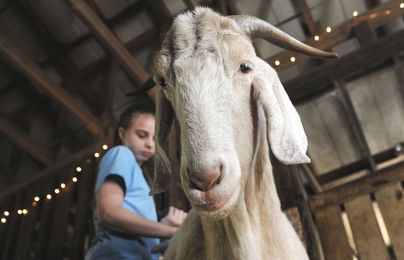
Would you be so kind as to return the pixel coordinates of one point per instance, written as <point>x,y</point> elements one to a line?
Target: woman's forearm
<point>124,220</point>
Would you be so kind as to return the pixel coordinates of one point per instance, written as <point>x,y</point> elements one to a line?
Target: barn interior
<point>67,65</point>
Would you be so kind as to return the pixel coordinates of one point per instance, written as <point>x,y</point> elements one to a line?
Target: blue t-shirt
<point>121,161</point>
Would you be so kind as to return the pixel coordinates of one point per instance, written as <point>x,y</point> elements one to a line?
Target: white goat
<point>229,105</point>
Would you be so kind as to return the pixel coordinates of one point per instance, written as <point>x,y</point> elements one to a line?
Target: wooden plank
<point>13,225</point>
<point>376,17</point>
<point>332,233</point>
<point>26,226</point>
<point>58,224</point>
<point>366,232</point>
<point>83,209</point>
<point>365,33</point>
<point>354,122</point>
<point>361,186</point>
<point>39,78</point>
<point>391,204</point>
<point>25,142</point>
<point>319,80</point>
<point>51,169</point>
<point>308,17</point>
<point>111,42</point>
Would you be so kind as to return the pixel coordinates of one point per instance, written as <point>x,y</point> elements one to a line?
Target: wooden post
<point>354,122</point>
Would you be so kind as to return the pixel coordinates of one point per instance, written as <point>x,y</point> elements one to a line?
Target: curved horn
<point>256,27</point>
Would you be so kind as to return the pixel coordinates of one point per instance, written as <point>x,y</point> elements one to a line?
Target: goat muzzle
<point>206,181</point>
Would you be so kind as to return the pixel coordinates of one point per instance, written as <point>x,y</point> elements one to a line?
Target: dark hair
<point>126,118</point>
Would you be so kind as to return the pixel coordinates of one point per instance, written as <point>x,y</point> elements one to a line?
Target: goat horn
<point>255,27</point>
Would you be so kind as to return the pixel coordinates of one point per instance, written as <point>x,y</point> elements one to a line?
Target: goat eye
<point>245,67</point>
<point>163,84</point>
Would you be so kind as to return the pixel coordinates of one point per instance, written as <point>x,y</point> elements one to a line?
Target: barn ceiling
<point>66,66</point>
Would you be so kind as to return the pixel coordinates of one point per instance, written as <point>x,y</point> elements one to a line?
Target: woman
<point>127,226</point>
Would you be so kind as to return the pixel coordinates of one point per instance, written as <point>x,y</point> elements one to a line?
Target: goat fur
<point>227,118</point>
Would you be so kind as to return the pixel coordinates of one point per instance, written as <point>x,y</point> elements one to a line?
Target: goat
<point>230,105</point>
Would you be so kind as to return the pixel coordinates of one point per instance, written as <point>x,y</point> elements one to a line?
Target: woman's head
<point>136,131</point>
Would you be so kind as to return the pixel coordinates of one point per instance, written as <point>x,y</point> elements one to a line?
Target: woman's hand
<point>174,218</point>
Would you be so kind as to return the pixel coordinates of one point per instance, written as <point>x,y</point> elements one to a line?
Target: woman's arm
<point>111,213</point>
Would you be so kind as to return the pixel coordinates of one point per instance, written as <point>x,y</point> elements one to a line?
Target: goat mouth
<point>211,204</point>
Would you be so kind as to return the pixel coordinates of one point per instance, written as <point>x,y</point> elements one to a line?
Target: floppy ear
<point>162,165</point>
<point>286,135</point>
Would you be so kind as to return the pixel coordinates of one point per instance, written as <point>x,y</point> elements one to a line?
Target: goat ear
<point>162,165</point>
<point>286,135</point>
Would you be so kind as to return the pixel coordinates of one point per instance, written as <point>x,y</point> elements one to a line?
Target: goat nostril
<point>207,181</point>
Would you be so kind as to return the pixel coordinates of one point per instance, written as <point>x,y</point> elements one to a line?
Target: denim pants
<point>106,246</point>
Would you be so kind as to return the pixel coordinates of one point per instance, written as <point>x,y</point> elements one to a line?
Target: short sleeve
<point>118,161</point>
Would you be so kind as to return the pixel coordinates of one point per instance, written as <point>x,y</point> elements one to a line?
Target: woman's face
<point>139,136</point>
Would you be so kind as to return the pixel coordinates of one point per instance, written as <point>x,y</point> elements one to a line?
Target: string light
<point>355,13</point>
<point>292,59</point>
<point>387,12</point>
<point>62,185</point>
<point>402,5</point>
<point>328,29</point>
<point>316,38</point>
<point>277,63</point>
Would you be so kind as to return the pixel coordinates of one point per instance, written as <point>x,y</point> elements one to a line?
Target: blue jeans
<point>106,246</point>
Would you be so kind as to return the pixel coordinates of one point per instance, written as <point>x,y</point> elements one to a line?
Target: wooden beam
<point>58,55</point>
<point>53,169</point>
<point>39,78</point>
<point>375,17</point>
<point>361,186</point>
<point>111,42</point>
<point>321,79</point>
<point>354,122</point>
<point>307,17</point>
<point>25,142</point>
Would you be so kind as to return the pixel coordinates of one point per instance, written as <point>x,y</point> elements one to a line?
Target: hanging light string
<point>328,29</point>
<point>6,214</point>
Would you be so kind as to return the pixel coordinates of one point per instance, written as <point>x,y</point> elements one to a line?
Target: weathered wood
<point>83,209</point>
<point>321,79</point>
<point>314,248</point>
<point>13,225</point>
<point>365,33</point>
<point>26,226</point>
<point>354,122</point>
<point>357,166</point>
<point>40,79</point>
<point>391,204</point>
<point>109,96</point>
<point>361,186</point>
<point>25,142</point>
<point>58,224</point>
<point>111,42</point>
<point>308,17</point>
<point>375,17</point>
<point>45,217</point>
<point>332,232</point>
<point>366,232</point>
<point>311,178</point>
<point>51,169</point>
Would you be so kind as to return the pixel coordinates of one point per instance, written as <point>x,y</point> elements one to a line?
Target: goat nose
<point>206,181</point>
